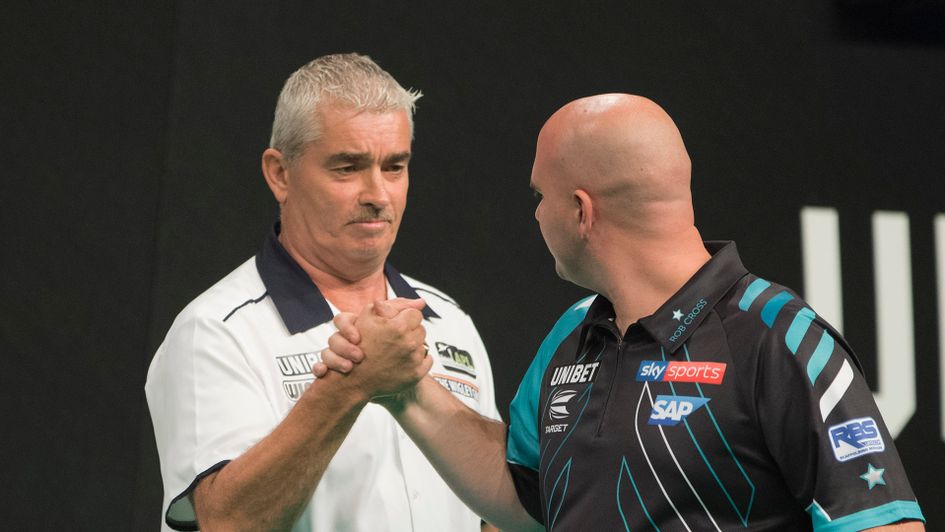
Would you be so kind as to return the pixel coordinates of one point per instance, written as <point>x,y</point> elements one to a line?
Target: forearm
<point>468,450</point>
<point>269,486</point>
<point>909,526</point>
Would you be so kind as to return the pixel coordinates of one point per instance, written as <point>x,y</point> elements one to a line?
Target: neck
<point>348,289</point>
<point>639,277</point>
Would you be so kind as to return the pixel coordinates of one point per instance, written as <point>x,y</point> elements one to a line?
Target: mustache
<point>372,215</point>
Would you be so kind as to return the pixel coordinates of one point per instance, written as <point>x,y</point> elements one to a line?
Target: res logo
<point>671,409</point>
<point>854,438</point>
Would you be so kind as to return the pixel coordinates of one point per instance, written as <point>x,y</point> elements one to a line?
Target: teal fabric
<point>522,446</point>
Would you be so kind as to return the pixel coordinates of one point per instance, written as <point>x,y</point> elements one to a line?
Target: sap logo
<point>559,404</point>
<point>671,409</point>
<point>705,372</point>
<point>855,437</point>
<point>574,374</point>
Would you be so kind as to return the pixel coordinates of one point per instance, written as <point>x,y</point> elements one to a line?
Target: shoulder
<point>218,303</point>
<point>562,328</point>
<point>212,311</point>
<point>439,301</point>
<point>772,320</point>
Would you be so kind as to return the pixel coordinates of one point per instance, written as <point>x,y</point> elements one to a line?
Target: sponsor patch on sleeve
<point>855,438</point>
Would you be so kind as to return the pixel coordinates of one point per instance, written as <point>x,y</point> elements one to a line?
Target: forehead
<point>371,129</point>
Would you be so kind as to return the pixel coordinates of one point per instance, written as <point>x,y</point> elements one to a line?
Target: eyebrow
<point>365,158</point>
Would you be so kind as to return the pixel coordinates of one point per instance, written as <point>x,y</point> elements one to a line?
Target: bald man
<point>688,394</point>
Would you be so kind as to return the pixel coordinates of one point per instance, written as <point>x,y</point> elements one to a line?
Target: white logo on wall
<point>892,274</point>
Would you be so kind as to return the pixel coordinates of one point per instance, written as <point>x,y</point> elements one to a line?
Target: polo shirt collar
<point>300,303</point>
<point>682,314</point>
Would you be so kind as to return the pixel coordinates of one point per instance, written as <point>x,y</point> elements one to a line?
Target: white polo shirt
<point>238,357</point>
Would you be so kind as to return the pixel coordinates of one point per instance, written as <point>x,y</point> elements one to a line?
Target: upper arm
<point>207,406</point>
<point>824,430</point>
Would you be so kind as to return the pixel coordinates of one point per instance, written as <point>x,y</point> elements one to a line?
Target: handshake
<point>380,351</point>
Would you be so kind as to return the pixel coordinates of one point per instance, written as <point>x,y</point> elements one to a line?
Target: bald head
<point>626,153</point>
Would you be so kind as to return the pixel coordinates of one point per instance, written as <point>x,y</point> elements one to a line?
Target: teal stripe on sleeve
<point>752,292</point>
<point>773,307</point>
<point>522,446</point>
<point>881,515</point>
<point>820,357</point>
<point>799,328</point>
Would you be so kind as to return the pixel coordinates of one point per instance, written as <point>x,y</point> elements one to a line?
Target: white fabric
<point>217,387</point>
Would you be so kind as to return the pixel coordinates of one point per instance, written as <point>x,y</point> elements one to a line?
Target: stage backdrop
<point>132,138</point>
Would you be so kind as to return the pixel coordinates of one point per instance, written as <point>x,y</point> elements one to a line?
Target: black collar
<point>299,301</point>
<point>675,321</point>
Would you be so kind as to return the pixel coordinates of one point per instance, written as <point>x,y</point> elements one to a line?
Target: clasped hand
<point>381,349</point>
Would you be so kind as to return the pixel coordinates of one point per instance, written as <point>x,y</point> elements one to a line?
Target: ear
<point>275,170</point>
<point>585,212</point>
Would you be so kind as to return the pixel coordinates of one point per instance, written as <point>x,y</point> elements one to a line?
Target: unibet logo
<point>574,374</point>
<point>856,437</point>
<point>671,409</point>
<point>705,372</point>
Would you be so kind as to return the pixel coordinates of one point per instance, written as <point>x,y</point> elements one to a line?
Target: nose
<point>375,189</point>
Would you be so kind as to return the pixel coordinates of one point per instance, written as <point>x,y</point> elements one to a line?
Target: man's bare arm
<point>269,486</point>
<point>910,526</point>
<point>467,449</point>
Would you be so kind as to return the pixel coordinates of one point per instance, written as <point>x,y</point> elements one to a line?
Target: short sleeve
<point>824,431</point>
<point>207,407</point>
<point>522,447</point>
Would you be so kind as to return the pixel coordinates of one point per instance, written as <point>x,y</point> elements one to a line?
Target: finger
<point>319,370</point>
<point>389,308</point>
<point>336,362</point>
<point>426,364</point>
<point>409,319</point>
<point>339,345</point>
<point>345,322</point>
<point>385,309</point>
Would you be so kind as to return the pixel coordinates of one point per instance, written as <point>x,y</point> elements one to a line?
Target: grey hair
<point>345,79</point>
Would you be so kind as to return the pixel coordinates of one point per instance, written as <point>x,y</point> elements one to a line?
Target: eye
<point>538,196</point>
<point>345,170</point>
<point>396,168</point>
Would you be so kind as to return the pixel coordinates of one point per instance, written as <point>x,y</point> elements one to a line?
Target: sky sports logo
<point>660,371</point>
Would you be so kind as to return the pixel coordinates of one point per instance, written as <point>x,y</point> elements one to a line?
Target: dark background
<point>131,137</point>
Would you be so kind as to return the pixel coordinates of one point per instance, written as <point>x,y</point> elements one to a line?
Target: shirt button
<point>415,495</point>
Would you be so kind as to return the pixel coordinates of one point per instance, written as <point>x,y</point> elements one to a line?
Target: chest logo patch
<point>574,374</point>
<point>456,359</point>
<point>671,409</point>
<point>854,438</point>
<point>298,372</point>
<point>559,404</point>
<point>660,371</point>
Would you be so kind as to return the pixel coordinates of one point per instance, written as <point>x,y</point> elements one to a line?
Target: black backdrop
<point>131,142</point>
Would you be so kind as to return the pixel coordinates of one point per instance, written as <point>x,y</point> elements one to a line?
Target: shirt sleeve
<point>207,406</point>
<point>522,443</point>
<point>824,430</point>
